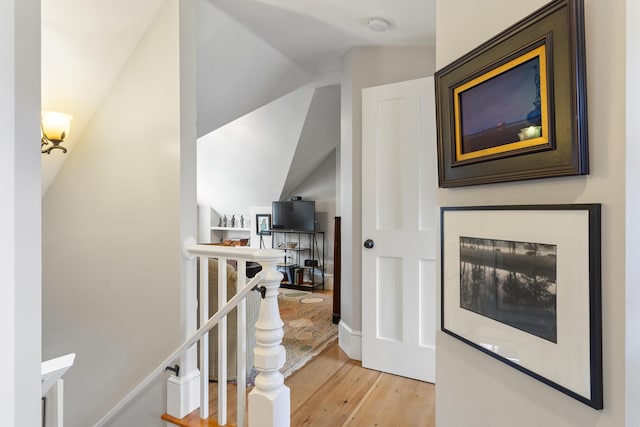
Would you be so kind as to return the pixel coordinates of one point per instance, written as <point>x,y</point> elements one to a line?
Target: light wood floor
<point>332,390</point>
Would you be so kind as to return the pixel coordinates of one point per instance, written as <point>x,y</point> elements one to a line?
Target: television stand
<point>304,258</point>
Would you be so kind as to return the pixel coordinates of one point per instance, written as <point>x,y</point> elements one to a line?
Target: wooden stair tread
<point>192,420</point>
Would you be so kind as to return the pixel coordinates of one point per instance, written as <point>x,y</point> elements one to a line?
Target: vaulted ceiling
<point>315,33</point>
<point>250,53</point>
<point>281,49</point>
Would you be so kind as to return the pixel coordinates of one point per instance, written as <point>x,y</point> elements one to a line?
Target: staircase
<point>269,400</point>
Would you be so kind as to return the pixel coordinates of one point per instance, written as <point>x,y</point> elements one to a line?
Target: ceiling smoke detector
<point>379,25</point>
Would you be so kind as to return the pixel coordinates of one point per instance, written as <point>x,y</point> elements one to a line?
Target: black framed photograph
<point>515,107</point>
<point>522,284</point>
<point>263,224</point>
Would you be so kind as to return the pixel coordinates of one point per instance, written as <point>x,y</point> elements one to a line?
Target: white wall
<point>364,67</point>
<point>632,297</point>
<point>245,163</point>
<point>112,236</point>
<point>238,72</point>
<point>474,389</point>
<point>188,177</point>
<point>320,136</point>
<point>257,158</point>
<point>20,212</point>
<point>81,62</point>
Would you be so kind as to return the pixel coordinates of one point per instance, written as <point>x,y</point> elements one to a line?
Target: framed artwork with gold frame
<point>515,107</point>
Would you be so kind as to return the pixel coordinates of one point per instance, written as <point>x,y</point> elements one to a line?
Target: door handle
<point>368,244</point>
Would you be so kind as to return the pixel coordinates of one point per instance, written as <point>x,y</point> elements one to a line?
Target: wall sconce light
<point>55,128</point>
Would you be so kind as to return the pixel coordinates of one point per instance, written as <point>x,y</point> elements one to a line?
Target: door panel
<point>427,322</point>
<point>399,215</point>
<point>389,299</point>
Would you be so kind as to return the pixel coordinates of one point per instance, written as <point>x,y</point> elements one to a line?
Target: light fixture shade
<point>379,25</point>
<point>56,126</point>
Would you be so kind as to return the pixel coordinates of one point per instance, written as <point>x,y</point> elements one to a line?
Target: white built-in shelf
<point>230,229</point>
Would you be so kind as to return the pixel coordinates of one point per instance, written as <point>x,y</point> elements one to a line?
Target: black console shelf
<point>303,259</point>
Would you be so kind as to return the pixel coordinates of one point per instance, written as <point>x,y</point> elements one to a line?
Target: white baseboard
<point>350,341</point>
<point>183,394</point>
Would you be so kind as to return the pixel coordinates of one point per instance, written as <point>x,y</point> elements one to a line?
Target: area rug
<point>308,326</point>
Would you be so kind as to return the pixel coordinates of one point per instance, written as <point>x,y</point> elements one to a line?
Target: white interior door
<point>399,217</point>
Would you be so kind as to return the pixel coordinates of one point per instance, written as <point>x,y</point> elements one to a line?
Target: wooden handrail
<point>234,252</point>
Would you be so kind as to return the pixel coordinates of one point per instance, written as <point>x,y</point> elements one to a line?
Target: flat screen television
<point>299,215</point>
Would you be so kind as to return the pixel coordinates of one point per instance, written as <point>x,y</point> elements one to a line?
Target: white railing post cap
<point>268,255</point>
<point>188,242</point>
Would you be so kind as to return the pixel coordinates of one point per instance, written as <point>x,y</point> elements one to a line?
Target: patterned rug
<point>307,326</point>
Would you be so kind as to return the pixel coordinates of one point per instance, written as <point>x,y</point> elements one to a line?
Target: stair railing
<point>269,400</point>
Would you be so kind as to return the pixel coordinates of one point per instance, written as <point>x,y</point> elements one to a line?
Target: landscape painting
<point>504,109</point>
<point>501,110</point>
<point>511,282</point>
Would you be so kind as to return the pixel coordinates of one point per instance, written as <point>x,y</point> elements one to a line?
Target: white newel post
<point>269,401</point>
